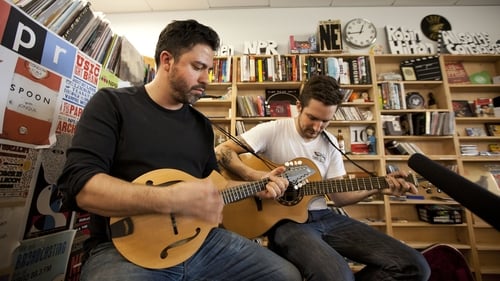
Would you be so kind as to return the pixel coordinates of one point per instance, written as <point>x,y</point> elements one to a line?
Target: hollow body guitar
<point>160,241</point>
<point>253,217</point>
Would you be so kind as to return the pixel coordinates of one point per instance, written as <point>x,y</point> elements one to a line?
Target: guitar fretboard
<point>243,191</point>
<point>344,185</point>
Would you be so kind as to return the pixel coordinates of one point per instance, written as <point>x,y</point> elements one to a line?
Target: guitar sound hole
<point>291,197</point>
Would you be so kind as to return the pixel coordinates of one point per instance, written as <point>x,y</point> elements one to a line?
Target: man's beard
<point>183,93</point>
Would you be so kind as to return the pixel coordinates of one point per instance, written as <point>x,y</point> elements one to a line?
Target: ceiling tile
<point>478,2</point>
<point>125,6</point>
<point>237,3</point>
<point>361,3</point>
<point>299,3</point>
<point>130,6</point>
<point>424,2</point>
<point>162,5</point>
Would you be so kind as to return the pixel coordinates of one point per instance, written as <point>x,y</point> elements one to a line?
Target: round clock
<point>360,33</point>
<point>432,24</point>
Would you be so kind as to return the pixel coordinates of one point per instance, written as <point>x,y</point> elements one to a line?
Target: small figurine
<point>431,101</point>
<point>371,140</point>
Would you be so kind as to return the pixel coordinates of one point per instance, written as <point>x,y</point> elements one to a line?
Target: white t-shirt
<point>280,142</point>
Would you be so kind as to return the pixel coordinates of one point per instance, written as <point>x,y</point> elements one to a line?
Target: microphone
<point>471,195</point>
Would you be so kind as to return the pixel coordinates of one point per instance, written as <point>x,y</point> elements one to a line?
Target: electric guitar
<point>161,241</point>
<point>253,217</point>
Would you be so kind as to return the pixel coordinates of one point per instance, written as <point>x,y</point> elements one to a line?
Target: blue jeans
<point>318,248</point>
<point>223,256</point>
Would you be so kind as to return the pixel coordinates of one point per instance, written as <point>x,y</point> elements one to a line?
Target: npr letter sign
<point>26,37</point>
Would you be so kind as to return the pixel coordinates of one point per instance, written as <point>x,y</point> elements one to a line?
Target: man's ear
<point>299,106</point>
<point>166,59</point>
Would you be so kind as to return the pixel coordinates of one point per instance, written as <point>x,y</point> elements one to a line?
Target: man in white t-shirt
<point>319,246</point>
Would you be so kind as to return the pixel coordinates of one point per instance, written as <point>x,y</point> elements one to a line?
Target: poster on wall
<point>17,169</point>
<point>7,66</point>
<point>10,232</point>
<point>33,98</point>
<point>43,258</point>
<point>45,214</point>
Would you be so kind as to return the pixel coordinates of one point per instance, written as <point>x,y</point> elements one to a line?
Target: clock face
<point>432,24</point>
<point>360,33</point>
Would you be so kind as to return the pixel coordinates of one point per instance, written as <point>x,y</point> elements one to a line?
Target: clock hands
<point>357,32</point>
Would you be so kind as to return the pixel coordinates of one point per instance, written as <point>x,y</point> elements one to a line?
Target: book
<point>455,72</point>
<point>462,108</point>
<point>493,129</point>
<point>81,20</point>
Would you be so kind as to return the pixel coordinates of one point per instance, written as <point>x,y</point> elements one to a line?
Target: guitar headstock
<point>297,173</point>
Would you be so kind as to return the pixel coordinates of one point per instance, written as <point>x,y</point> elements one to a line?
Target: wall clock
<point>360,33</point>
<point>432,24</point>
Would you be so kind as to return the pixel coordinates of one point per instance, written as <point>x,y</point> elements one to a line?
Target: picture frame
<point>408,73</point>
<point>493,129</point>
<point>393,128</point>
<point>462,108</point>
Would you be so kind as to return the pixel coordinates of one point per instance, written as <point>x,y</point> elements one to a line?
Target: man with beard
<point>125,133</point>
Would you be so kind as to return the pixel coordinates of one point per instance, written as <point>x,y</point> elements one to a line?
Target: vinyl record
<point>414,100</point>
<point>432,24</point>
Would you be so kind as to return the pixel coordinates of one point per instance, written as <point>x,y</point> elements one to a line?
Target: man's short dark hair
<point>322,88</point>
<point>180,36</point>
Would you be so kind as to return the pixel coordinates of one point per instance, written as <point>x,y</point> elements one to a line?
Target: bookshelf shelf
<point>478,241</point>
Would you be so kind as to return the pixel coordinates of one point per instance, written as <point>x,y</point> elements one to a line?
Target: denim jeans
<point>223,256</point>
<point>319,248</point>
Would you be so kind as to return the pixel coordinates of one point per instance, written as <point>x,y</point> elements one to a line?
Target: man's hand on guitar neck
<point>398,185</point>
<point>277,185</point>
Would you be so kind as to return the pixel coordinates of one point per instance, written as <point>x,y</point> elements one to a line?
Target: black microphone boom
<point>474,197</point>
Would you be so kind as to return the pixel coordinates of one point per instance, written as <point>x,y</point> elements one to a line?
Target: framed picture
<point>408,73</point>
<point>493,129</point>
<point>462,108</point>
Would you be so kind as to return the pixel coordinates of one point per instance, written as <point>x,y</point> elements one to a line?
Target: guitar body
<point>447,263</point>
<point>156,241</point>
<point>253,217</point>
<point>160,241</point>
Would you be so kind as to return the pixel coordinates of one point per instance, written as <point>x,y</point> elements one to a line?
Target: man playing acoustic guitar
<point>318,245</point>
<point>127,144</point>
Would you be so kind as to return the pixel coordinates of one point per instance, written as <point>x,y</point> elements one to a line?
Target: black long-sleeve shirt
<point>124,133</point>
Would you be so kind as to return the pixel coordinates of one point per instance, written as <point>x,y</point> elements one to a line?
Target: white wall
<point>237,26</point>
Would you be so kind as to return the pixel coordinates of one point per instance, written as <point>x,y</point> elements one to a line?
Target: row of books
<point>346,70</point>
<point>349,113</point>
<point>221,71</point>
<point>272,68</point>
<point>402,147</point>
<point>76,22</point>
<point>429,123</point>
<point>392,95</point>
<point>257,106</point>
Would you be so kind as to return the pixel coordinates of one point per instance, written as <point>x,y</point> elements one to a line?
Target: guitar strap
<point>325,135</point>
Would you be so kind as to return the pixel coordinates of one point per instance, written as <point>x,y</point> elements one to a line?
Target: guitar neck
<point>344,185</point>
<point>243,191</point>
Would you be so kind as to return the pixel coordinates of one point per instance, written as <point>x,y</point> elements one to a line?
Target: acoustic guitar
<point>253,217</point>
<point>160,241</point>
